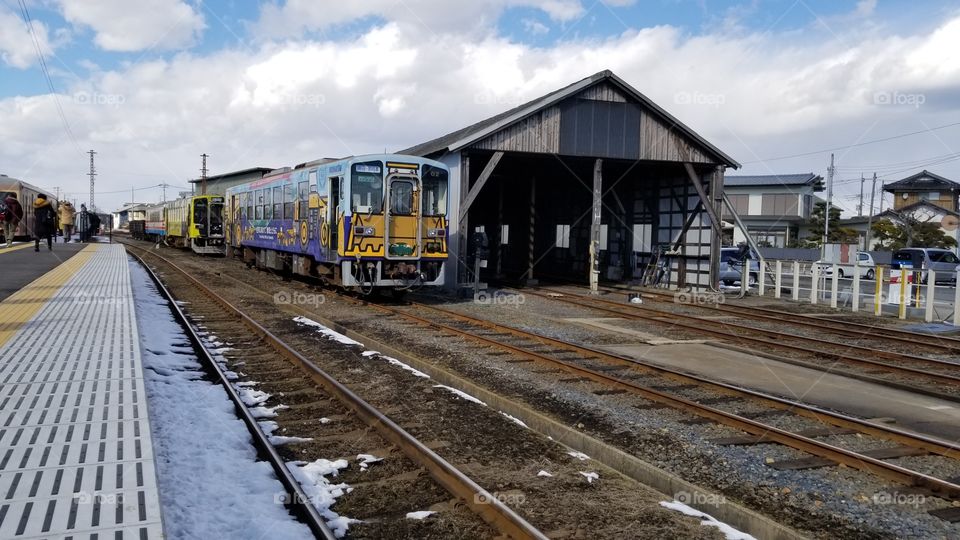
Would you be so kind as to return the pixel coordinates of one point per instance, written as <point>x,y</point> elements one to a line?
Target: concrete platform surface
<point>76,456</point>
<point>20,265</point>
<point>915,412</point>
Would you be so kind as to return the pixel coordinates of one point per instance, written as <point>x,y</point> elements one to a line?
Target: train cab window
<point>434,191</point>
<point>401,198</point>
<point>366,188</point>
<point>288,201</point>
<point>303,196</point>
<point>277,203</point>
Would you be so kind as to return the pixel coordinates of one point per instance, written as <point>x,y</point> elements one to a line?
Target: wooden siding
<point>603,92</point>
<point>539,133</point>
<point>945,200</point>
<point>658,142</point>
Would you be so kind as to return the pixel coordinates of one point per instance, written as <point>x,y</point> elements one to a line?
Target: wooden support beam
<point>711,211</point>
<point>686,226</point>
<point>481,181</point>
<point>594,267</point>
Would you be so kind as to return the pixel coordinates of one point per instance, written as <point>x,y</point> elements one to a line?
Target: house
<point>773,207</point>
<point>129,212</point>
<point>926,197</point>
<point>217,185</point>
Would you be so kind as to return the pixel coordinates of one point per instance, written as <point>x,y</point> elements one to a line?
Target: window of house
<point>779,204</point>
<point>930,196</point>
<point>563,236</point>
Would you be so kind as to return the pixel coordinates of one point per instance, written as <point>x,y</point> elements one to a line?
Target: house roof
<point>461,138</point>
<point>922,181</point>
<point>919,204</point>
<point>261,170</point>
<point>803,179</point>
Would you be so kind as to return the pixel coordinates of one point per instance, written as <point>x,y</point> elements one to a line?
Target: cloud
<point>535,27</point>
<point>865,8</point>
<point>121,25</point>
<point>16,45</point>
<point>285,102</point>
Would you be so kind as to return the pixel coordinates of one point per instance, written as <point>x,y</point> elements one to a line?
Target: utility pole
<point>826,217</point>
<point>873,194</point>
<point>57,190</point>
<point>164,186</point>
<point>860,206</point>
<point>203,175</point>
<point>93,175</point>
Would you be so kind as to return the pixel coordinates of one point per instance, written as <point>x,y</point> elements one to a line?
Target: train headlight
<point>436,233</point>
<point>360,230</point>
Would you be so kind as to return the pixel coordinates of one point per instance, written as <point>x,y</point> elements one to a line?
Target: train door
<point>201,217</point>
<point>335,213</point>
<point>215,217</point>
<point>402,221</point>
<point>301,212</point>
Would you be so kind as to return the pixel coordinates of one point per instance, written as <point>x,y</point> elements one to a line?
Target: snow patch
<point>325,420</point>
<point>321,492</point>
<point>707,520</point>
<point>367,459</point>
<point>251,397</point>
<point>407,367</point>
<point>267,412</point>
<point>590,476</point>
<point>579,455</point>
<point>336,336</point>
<point>422,514</point>
<point>515,420</point>
<point>462,394</point>
<point>545,473</point>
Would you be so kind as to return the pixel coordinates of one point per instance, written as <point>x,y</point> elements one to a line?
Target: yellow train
<point>189,222</point>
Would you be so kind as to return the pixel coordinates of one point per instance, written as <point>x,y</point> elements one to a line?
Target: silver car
<point>942,261</point>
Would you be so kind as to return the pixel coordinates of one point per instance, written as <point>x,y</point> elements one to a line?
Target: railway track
<point>946,344</point>
<point>914,366</point>
<point>255,345</point>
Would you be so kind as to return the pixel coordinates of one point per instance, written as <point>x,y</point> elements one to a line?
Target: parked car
<point>866,263</point>
<point>942,261</point>
<point>731,269</point>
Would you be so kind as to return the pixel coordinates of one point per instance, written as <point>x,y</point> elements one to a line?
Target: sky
<point>153,84</point>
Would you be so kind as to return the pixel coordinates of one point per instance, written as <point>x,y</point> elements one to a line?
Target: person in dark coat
<point>46,222</point>
<point>12,214</point>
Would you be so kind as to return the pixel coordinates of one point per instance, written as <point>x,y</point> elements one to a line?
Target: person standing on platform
<point>67,212</point>
<point>12,215</point>
<point>46,222</point>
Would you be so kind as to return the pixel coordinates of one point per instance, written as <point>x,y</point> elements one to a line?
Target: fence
<point>924,293</point>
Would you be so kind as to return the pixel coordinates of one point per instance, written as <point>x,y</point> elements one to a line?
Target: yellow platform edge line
<point>22,306</point>
<point>14,247</point>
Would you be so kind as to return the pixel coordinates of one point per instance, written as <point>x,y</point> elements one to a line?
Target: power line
<point>855,145</point>
<point>46,73</point>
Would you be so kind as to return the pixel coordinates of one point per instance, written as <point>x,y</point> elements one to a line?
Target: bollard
<point>855,306</point>
<point>834,286</point>
<point>777,280</point>
<point>878,292</point>
<point>956,300</point>
<point>902,279</point>
<point>796,280</point>
<point>815,275</point>
<point>917,280</point>
<point>931,295</point>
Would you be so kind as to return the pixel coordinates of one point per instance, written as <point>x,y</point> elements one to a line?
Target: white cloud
<point>16,44</point>
<point>121,25</point>
<point>535,27</point>
<point>865,8</point>
<point>755,95</point>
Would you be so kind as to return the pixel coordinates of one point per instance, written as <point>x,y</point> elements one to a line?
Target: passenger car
<point>866,263</point>
<point>731,270</point>
<point>942,261</point>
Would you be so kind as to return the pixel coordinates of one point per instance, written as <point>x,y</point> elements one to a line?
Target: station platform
<point>19,264</point>
<point>76,455</point>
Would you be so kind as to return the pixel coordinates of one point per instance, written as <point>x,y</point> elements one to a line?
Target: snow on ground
<point>321,492</point>
<point>590,476</point>
<point>544,473</point>
<point>398,363</point>
<point>336,336</point>
<point>708,520</point>
<point>515,420</point>
<point>579,455</point>
<point>366,460</point>
<point>422,514</point>
<point>211,484</point>
<point>268,427</point>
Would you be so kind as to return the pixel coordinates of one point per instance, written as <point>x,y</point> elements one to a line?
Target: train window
<point>313,181</point>
<point>277,203</point>
<point>259,200</point>
<point>401,198</point>
<point>434,191</point>
<point>366,187</point>
<point>288,201</point>
<point>304,196</point>
<point>267,204</point>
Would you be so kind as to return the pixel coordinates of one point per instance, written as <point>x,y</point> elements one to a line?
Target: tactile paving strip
<point>76,459</point>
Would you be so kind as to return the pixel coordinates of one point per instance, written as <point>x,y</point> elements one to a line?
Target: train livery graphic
<point>195,222</point>
<point>366,222</point>
<point>26,194</point>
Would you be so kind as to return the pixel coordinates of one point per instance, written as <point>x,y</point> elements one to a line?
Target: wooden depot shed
<point>585,183</point>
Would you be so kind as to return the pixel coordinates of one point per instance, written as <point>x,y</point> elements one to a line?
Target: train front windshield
<point>216,216</point>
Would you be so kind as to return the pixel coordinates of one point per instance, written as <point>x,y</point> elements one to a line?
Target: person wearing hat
<point>45,222</point>
<point>67,213</point>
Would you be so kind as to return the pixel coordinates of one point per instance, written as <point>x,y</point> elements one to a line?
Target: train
<point>366,223</point>
<point>194,222</point>
<point>26,194</point>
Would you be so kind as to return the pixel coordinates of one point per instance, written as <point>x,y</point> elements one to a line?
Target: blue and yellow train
<point>195,222</point>
<point>367,222</point>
